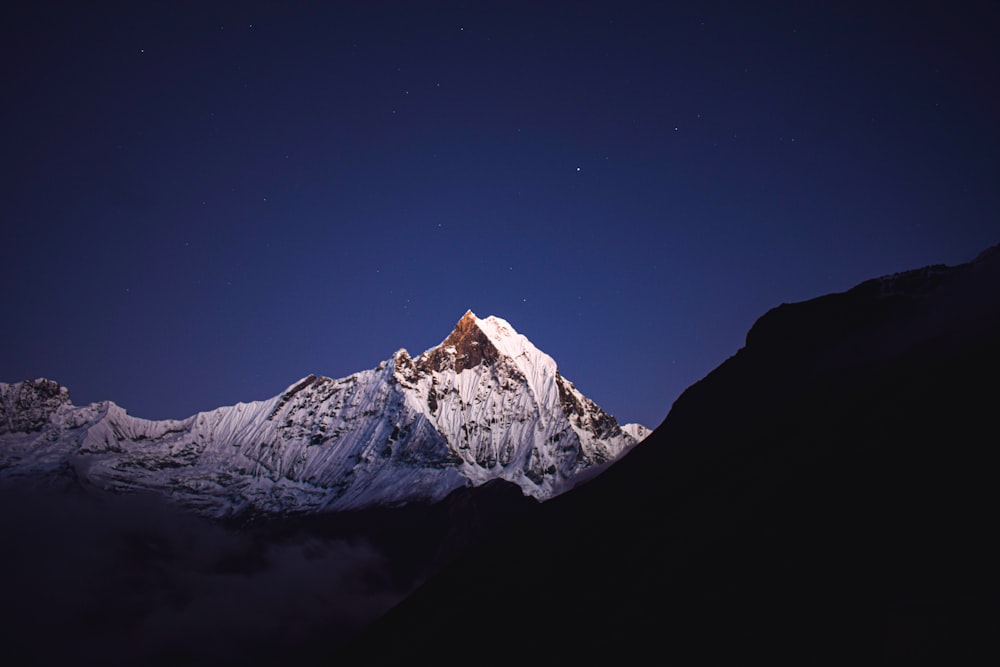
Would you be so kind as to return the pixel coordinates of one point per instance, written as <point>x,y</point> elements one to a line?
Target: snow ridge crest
<point>483,404</point>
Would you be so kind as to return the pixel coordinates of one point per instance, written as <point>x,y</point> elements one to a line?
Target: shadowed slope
<point>826,494</point>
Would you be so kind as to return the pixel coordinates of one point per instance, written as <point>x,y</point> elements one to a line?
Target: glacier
<point>484,404</point>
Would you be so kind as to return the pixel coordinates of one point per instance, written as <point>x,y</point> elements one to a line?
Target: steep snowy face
<point>507,412</point>
<point>484,404</point>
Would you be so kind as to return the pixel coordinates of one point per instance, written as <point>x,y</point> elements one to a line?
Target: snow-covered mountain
<point>484,404</point>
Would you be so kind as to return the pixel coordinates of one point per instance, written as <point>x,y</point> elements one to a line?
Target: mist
<point>129,580</point>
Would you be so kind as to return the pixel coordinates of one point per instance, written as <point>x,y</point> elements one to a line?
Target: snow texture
<point>484,404</point>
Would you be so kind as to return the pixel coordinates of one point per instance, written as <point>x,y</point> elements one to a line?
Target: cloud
<point>130,580</point>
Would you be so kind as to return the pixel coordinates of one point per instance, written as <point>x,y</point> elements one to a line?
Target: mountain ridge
<point>483,404</point>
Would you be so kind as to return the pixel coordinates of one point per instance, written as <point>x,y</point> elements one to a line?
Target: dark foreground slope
<point>828,494</point>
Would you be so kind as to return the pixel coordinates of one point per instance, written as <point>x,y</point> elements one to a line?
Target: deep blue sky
<point>203,202</point>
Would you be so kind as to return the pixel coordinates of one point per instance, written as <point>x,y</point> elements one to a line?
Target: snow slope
<point>484,404</point>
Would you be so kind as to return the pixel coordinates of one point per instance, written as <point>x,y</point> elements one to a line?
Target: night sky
<point>203,202</point>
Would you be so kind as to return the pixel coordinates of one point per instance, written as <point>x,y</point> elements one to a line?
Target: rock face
<point>28,407</point>
<point>484,404</point>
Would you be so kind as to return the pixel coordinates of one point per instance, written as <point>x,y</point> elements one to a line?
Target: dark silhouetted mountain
<point>826,495</point>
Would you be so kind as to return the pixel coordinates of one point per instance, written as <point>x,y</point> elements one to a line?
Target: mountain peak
<point>475,341</point>
<point>466,324</point>
<point>466,346</point>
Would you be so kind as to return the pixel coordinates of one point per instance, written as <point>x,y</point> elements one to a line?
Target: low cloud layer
<point>129,580</point>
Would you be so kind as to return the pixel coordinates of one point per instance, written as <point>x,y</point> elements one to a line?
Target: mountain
<point>827,495</point>
<point>485,404</point>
